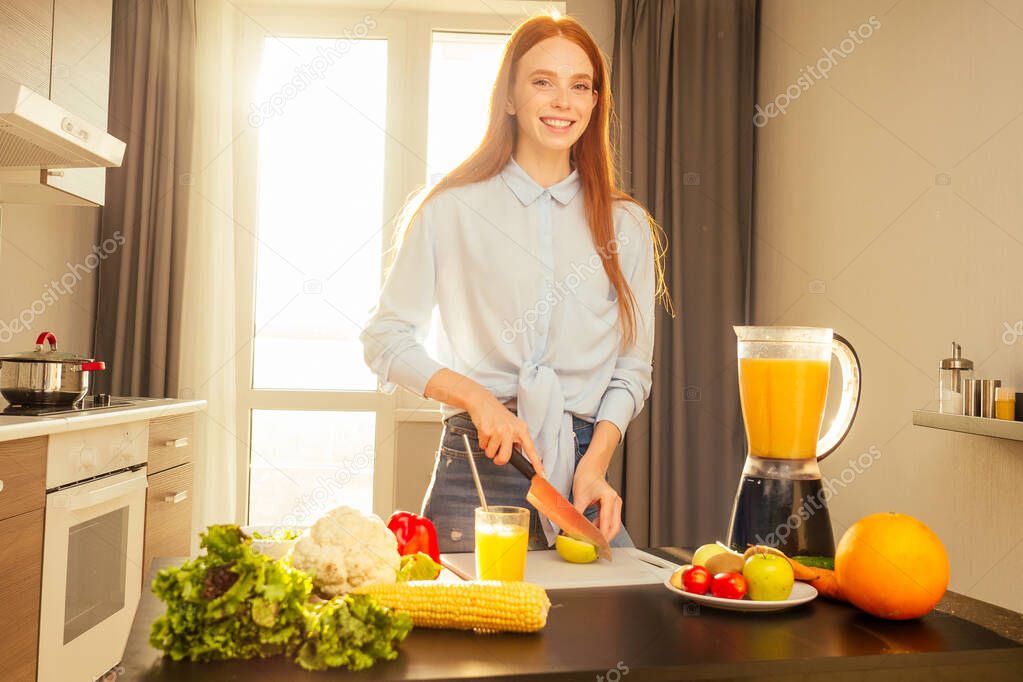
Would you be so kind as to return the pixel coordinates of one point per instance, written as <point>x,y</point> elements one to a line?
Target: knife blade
<point>552,504</point>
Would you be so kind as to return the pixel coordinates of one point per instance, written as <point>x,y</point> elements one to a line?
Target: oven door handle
<point>91,498</point>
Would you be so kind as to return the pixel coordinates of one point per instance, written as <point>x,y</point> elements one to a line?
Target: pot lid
<point>45,353</point>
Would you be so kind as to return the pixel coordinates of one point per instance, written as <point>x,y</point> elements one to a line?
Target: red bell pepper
<point>414,534</point>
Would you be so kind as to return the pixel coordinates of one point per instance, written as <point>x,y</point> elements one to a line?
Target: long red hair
<point>592,154</point>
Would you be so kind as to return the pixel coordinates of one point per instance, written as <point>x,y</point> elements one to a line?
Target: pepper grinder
<point>952,375</point>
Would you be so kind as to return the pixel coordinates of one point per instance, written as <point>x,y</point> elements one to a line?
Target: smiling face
<point>552,96</point>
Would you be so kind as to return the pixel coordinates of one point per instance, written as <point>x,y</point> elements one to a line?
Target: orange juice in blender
<point>783,387</point>
<point>502,538</point>
<point>783,405</point>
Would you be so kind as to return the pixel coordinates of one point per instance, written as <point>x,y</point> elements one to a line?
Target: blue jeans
<point>451,499</point>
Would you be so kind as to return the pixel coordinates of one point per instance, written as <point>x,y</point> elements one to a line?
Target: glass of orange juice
<point>502,537</point>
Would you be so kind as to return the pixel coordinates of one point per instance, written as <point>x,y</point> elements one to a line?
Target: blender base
<point>790,514</point>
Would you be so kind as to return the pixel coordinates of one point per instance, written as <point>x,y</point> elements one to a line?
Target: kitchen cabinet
<point>170,442</point>
<point>170,493</point>
<point>22,502</point>
<point>61,49</point>
<point>26,33</point>
<point>80,63</point>
<point>22,476</point>
<point>80,82</point>
<point>21,565</point>
<point>168,514</point>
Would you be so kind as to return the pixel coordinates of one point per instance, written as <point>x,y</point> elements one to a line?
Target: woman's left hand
<point>589,487</point>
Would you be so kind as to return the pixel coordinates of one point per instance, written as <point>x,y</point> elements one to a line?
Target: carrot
<point>822,579</point>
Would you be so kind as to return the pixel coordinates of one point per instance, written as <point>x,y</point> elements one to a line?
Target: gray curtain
<point>139,297</point>
<point>683,82</point>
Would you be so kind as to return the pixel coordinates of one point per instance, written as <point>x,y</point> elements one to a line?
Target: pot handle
<point>46,337</point>
<point>93,366</point>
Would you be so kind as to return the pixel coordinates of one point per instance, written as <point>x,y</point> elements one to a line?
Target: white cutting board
<point>548,570</point>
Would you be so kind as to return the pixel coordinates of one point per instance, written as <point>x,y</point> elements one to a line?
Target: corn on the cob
<point>483,606</point>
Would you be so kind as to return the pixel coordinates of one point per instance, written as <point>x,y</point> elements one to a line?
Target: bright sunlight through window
<point>462,71</point>
<point>321,227</point>
<point>321,171</point>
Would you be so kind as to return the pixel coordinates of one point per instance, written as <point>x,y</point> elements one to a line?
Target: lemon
<point>575,551</point>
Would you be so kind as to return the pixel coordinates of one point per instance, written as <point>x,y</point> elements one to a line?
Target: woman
<point>545,275</point>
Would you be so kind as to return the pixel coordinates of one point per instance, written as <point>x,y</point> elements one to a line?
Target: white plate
<point>801,593</point>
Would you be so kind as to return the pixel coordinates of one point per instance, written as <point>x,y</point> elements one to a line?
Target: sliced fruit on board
<point>575,551</point>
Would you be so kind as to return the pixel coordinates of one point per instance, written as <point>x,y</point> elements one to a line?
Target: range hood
<point>36,133</point>
<point>48,155</point>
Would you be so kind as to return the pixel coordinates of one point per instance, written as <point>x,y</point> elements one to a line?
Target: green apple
<point>705,552</point>
<point>769,577</point>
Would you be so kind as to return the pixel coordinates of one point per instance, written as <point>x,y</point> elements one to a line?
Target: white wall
<point>889,206</point>
<point>40,244</point>
<point>598,18</point>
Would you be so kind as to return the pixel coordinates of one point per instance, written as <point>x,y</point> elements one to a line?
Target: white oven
<point>92,550</point>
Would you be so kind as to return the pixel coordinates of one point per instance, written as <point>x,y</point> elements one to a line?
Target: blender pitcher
<point>783,387</point>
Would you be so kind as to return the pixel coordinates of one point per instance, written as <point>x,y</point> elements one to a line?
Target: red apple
<point>696,579</point>
<point>728,586</point>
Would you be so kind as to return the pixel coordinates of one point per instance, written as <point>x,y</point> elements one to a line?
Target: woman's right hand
<point>499,430</point>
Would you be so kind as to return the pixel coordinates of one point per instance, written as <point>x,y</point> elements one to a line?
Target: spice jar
<point>1005,403</point>
<point>952,375</point>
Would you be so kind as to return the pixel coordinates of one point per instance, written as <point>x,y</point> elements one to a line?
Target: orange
<point>892,566</point>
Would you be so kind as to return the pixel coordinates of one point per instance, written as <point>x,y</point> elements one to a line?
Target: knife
<point>552,504</point>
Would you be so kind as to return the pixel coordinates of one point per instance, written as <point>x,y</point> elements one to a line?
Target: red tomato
<point>728,586</point>
<point>696,579</point>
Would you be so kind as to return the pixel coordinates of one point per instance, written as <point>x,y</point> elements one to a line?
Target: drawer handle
<point>176,443</point>
<point>1,485</point>
<point>174,498</point>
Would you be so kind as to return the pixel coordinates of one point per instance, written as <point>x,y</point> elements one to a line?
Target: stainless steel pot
<point>46,377</point>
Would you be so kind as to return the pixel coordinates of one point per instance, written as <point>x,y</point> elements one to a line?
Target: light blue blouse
<point>525,308</point>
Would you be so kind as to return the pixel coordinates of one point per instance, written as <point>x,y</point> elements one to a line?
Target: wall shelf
<point>978,426</point>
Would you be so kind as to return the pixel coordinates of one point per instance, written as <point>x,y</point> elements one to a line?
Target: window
<point>462,70</point>
<point>309,462</point>
<point>348,113</point>
<point>321,176</point>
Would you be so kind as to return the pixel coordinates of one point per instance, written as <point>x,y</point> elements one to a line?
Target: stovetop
<point>89,403</point>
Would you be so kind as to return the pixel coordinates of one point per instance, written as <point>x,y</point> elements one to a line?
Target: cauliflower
<point>346,548</point>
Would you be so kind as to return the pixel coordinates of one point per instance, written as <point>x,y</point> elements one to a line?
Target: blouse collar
<point>528,190</point>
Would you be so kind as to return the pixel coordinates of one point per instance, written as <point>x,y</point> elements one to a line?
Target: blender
<point>784,374</point>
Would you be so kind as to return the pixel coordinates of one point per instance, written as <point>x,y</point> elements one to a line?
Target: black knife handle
<point>520,462</point>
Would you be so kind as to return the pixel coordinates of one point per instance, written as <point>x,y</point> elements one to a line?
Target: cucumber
<point>816,561</point>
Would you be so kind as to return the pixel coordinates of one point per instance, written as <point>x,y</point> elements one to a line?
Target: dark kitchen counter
<point>647,633</point>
